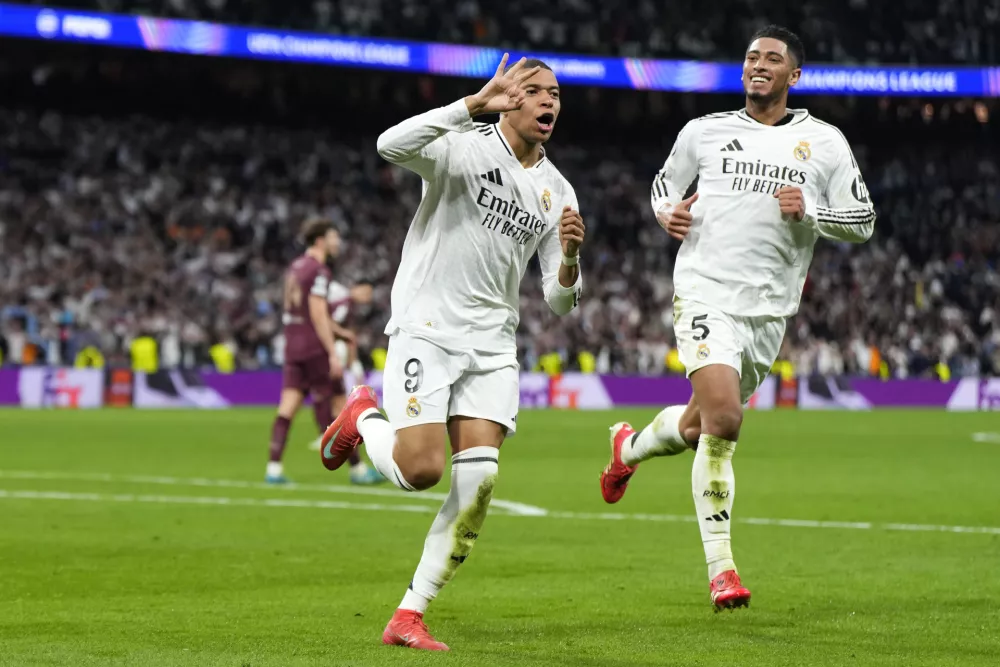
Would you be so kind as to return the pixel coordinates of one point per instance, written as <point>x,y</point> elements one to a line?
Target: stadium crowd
<point>156,197</point>
<point>116,228</point>
<point>910,31</point>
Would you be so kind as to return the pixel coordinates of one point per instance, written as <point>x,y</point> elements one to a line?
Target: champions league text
<point>507,218</point>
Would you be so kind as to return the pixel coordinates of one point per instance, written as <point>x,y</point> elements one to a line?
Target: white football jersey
<point>740,255</point>
<point>481,218</point>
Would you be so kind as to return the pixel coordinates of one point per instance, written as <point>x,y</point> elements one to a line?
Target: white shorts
<point>706,336</point>
<point>425,383</point>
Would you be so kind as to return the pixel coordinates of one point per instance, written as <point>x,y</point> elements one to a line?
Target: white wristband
<point>570,261</point>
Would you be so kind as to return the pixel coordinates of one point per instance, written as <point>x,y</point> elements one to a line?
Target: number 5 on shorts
<point>414,371</point>
<point>696,323</point>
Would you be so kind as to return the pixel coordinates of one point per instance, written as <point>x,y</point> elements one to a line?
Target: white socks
<point>275,469</point>
<point>380,440</point>
<point>457,525</point>
<point>414,601</point>
<point>713,486</point>
<point>661,438</point>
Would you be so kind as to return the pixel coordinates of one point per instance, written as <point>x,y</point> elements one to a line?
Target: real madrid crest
<point>703,352</point>
<point>413,407</point>
<point>802,151</point>
<point>547,200</point>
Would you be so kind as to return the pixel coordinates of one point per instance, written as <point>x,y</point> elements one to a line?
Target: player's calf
<point>713,482</point>
<point>664,436</point>
<point>412,458</point>
<point>457,526</point>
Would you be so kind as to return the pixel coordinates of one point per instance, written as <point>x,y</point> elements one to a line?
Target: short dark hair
<point>783,34</point>
<point>529,63</point>
<point>315,228</point>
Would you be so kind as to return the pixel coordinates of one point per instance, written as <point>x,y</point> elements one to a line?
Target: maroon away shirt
<point>304,277</point>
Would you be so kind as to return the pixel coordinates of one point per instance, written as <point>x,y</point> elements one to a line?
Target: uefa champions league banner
<point>42,387</point>
<point>9,394</point>
<point>826,393</point>
<point>572,391</point>
<point>577,391</point>
<point>70,388</point>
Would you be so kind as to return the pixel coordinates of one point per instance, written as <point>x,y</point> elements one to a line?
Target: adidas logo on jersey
<point>493,176</point>
<point>733,145</point>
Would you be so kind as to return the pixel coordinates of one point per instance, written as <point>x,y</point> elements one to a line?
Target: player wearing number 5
<point>491,200</point>
<point>747,193</point>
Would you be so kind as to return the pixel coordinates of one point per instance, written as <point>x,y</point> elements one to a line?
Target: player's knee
<point>691,434</point>
<point>724,421</point>
<point>422,475</point>
<point>690,427</point>
<point>322,400</point>
<point>420,455</point>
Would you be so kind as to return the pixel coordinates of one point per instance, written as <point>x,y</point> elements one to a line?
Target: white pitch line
<point>986,436</point>
<point>212,500</point>
<point>786,523</point>
<point>520,509</point>
<point>374,507</point>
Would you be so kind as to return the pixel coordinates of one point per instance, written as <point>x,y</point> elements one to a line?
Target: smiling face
<point>769,70</point>
<point>536,119</point>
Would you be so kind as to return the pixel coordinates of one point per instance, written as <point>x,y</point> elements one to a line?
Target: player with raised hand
<point>491,200</point>
<point>748,193</point>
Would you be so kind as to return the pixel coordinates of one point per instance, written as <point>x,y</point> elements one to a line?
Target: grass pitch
<point>146,538</point>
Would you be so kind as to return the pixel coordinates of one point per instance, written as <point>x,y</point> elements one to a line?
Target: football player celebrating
<point>747,193</point>
<point>491,200</point>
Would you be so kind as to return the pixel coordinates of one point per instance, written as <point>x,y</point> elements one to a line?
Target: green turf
<point>88,582</point>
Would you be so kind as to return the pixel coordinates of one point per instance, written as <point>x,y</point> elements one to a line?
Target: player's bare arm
<point>571,233</point>
<point>362,293</point>
<point>342,332</point>
<point>320,316</point>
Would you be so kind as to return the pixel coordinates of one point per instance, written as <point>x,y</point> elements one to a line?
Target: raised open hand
<point>504,91</point>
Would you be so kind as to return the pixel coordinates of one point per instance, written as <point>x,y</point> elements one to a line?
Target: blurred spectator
<point>143,236</point>
<point>177,222</point>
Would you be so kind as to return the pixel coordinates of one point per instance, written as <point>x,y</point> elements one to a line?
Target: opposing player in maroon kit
<point>312,365</point>
<point>342,300</point>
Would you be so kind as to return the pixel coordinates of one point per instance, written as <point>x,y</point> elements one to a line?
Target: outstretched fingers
<point>521,77</point>
<point>503,64</point>
<point>515,68</point>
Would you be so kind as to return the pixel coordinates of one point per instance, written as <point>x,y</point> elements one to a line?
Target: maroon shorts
<point>312,375</point>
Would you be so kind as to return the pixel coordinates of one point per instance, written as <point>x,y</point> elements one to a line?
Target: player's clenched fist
<point>336,370</point>
<point>791,202</point>
<point>571,230</point>
<point>677,220</point>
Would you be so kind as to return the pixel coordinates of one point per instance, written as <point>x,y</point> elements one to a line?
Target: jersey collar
<point>510,151</point>
<point>794,117</point>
